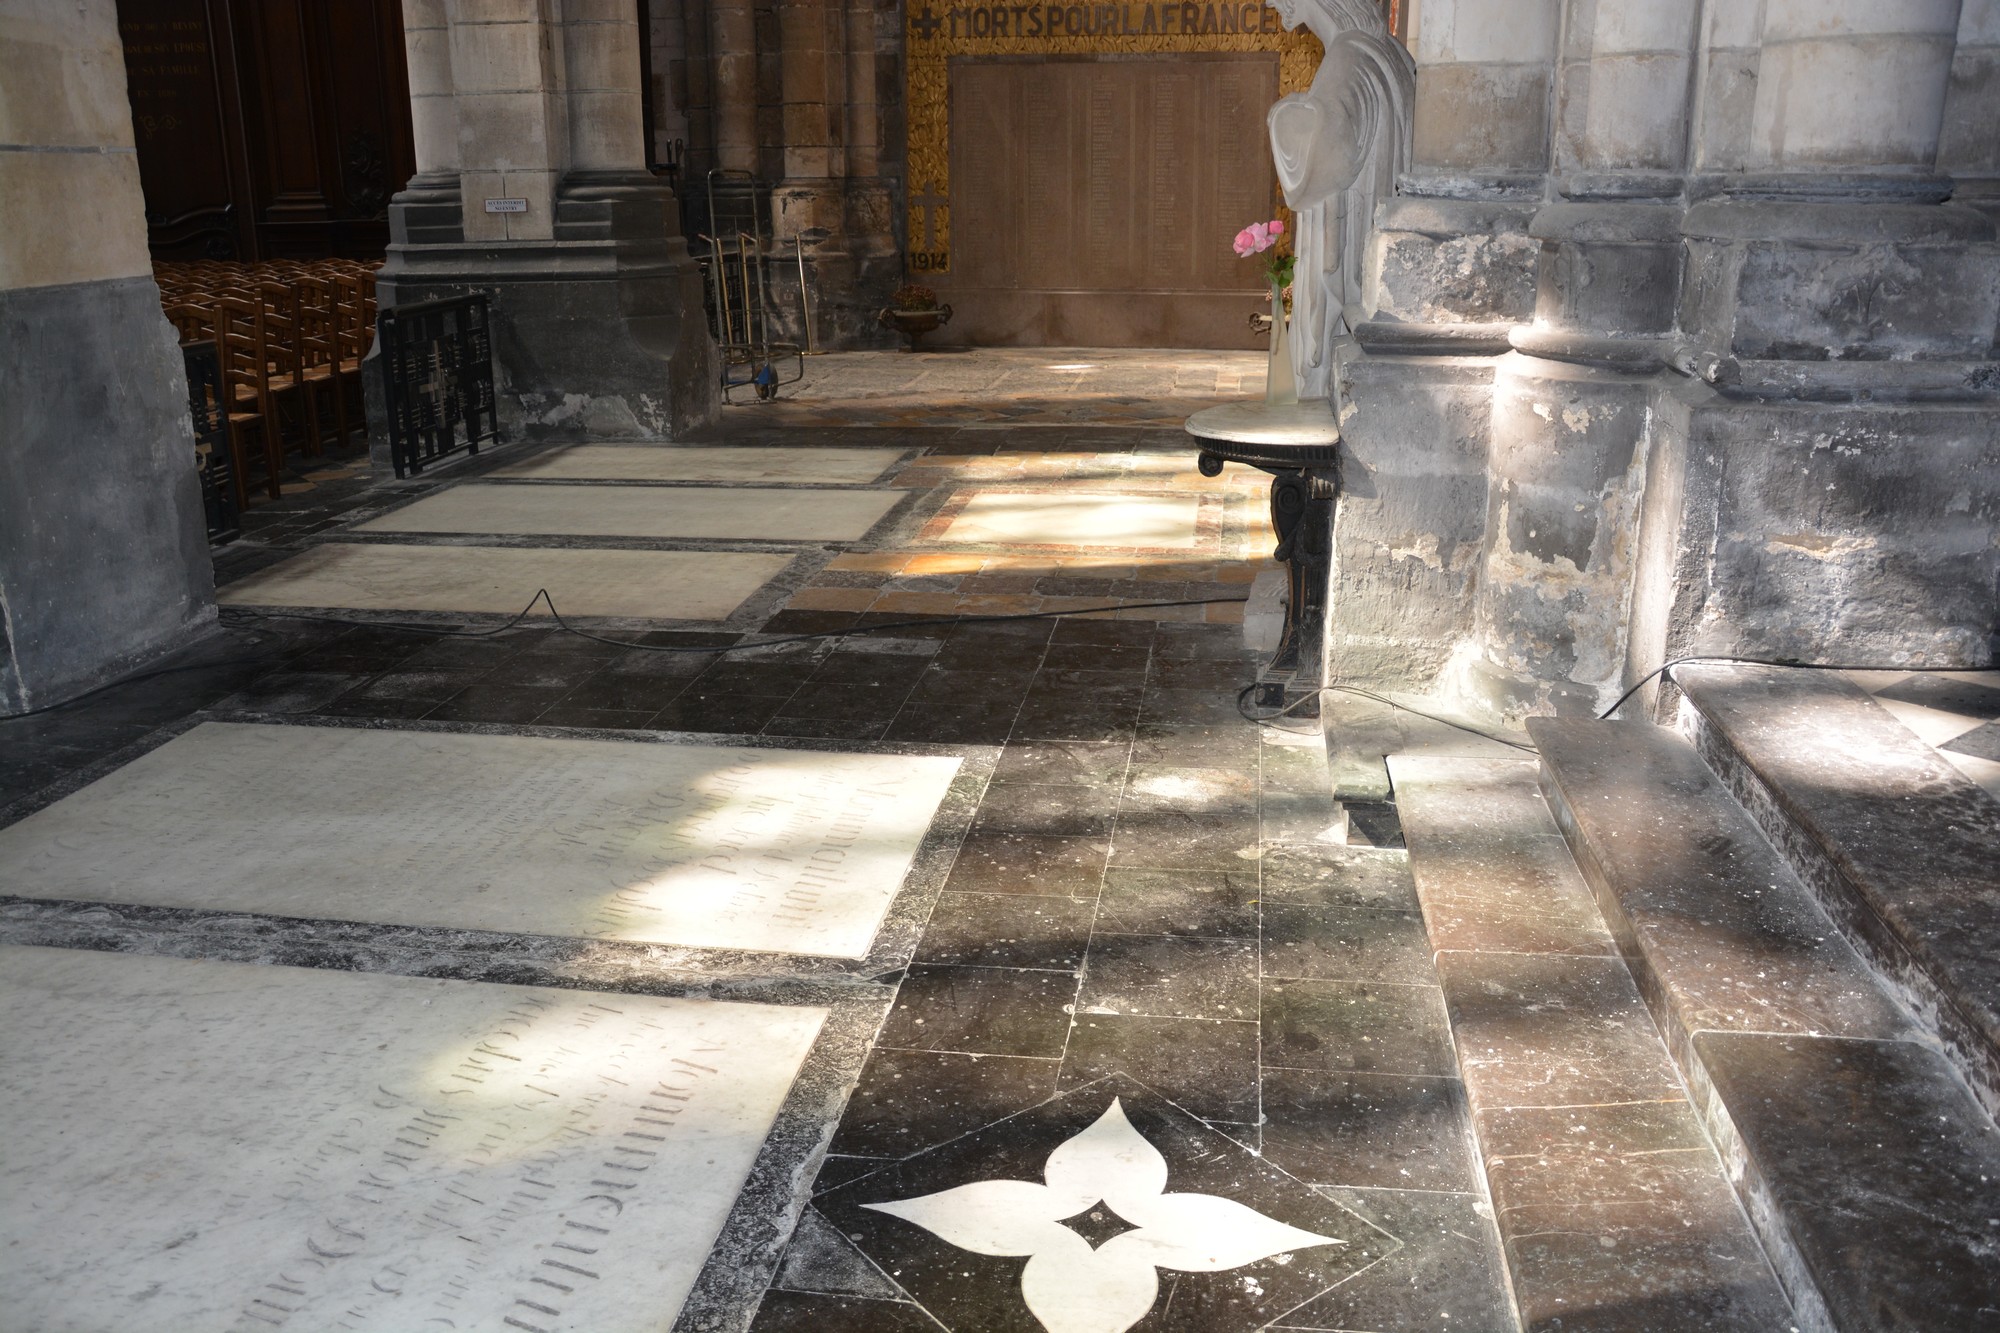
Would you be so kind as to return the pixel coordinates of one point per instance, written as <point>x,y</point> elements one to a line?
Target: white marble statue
<point>1338,146</point>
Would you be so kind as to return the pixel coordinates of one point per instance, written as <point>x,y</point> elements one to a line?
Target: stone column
<point>103,559</point>
<point>599,330</point>
<point>1852,86</point>
<point>1969,147</point>
<point>429,207</point>
<point>513,131</point>
<point>733,58</point>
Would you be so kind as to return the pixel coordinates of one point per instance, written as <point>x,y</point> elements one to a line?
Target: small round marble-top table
<point>1299,445</point>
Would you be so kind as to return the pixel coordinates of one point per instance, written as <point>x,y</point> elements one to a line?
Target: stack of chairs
<point>290,335</point>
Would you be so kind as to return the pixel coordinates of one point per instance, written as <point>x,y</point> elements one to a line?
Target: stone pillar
<point>1969,146</point>
<point>733,57</point>
<point>599,330</point>
<point>513,132</point>
<point>1852,86</point>
<point>103,558</point>
<point>429,207</point>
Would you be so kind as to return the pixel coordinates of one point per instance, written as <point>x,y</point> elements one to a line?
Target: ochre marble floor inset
<point>780,851</point>
<point>1045,518</point>
<point>707,513</point>
<point>653,462</point>
<point>656,585</point>
<point>196,1144</point>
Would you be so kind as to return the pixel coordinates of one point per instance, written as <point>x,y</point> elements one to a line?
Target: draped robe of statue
<point>1339,147</point>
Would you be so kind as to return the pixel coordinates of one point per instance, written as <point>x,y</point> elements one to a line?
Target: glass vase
<point>1281,384</point>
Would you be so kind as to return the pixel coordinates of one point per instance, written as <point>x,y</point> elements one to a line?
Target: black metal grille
<point>437,368</point>
<point>212,462</point>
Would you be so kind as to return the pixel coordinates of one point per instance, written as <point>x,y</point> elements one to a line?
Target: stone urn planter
<point>914,311</point>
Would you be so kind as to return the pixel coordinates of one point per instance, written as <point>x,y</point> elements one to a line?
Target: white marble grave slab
<point>654,462</point>
<point>653,585</point>
<point>1077,519</point>
<point>206,1145</point>
<point>710,513</point>
<point>722,847</point>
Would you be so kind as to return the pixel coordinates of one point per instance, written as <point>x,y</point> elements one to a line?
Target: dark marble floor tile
<point>1080,718</point>
<point>1339,877</point>
<point>1046,811</point>
<point>908,1101</point>
<point>1553,1030</point>
<point>1207,1067</point>
<point>447,654</point>
<point>292,691</point>
<point>951,726</point>
<point>731,676</point>
<point>820,1261</point>
<point>1170,976</point>
<point>356,704</point>
<point>809,622</point>
<point>1952,694</point>
<point>1448,1275</point>
<point>1007,930</point>
<point>735,714</point>
<point>1980,743</point>
<point>846,703</point>
<point>639,663</point>
<point>800,1312</point>
<point>1125,634</point>
<point>969,1290</point>
<point>837,729</point>
<point>1346,944</point>
<point>1223,642</point>
<point>1884,1168</point>
<point>496,703</point>
<point>1190,790</point>
<point>968,689</point>
<point>545,673</point>
<point>1226,745</point>
<point>1194,708</point>
<point>629,694</point>
<point>1387,1131</point>
<point>1064,764</point>
<point>1635,1268</point>
<point>1624,1152</point>
<point>1206,676</point>
<point>1129,659</point>
<point>865,668</point>
<point>1054,685</point>
<point>1180,902</point>
<point>1010,863</point>
<point>981,1011</point>
<point>435,686</point>
<point>1361,1027</point>
<point>568,715</point>
<point>1150,836</point>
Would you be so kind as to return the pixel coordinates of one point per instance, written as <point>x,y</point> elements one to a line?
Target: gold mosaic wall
<point>933,35</point>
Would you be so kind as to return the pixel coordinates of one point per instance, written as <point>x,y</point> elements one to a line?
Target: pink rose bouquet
<point>1259,237</point>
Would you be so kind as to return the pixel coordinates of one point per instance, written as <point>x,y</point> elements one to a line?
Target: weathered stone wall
<point>1719,354</point>
<point>103,557</point>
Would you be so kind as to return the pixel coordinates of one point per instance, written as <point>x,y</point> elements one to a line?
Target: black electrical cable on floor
<point>236,616</point>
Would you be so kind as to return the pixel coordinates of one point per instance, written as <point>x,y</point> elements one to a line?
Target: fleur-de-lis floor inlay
<point>1071,1286</point>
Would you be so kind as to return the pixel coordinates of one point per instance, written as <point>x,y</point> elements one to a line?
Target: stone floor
<point>464,975</point>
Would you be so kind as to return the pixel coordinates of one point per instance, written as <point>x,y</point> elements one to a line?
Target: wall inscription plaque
<point>206,1145</point>
<point>784,851</point>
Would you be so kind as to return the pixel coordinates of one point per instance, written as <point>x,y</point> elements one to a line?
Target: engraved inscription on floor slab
<point>653,585</point>
<point>204,1145</point>
<point>781,851</point>
<point>1077,520</point>
<point>652,462</point>
<point>708,513</point>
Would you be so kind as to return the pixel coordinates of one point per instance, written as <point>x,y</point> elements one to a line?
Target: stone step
<point>1901,848</point>
<point>1615,1211</point>
<point>1869,1168</point>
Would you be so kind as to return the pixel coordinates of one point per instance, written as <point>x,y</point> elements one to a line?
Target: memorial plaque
<point>723,847</point>
<point>206,1145</point>
<point>648,585</point>
<point>709,513</point>
<point>652,462</point>
<point>1069,519</point>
